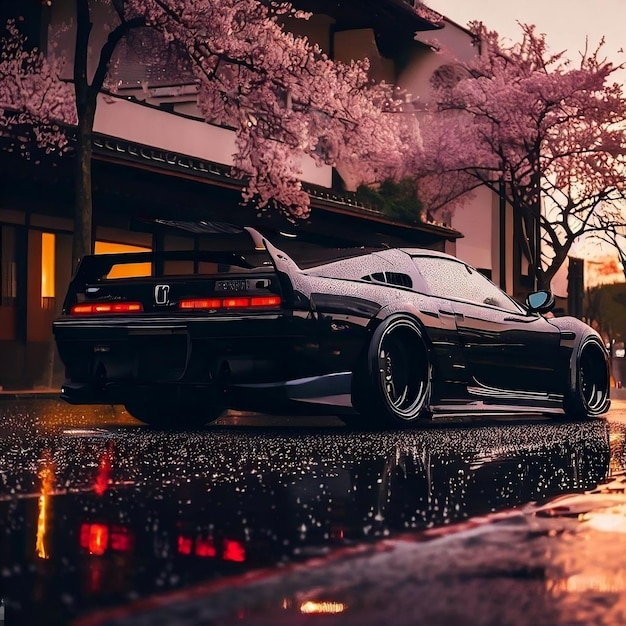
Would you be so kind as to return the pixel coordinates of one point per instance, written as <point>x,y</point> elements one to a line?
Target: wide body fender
<point>576,337</point>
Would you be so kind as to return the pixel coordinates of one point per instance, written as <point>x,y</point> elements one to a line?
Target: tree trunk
<point>85,109</point>
<point>82,243</point>
<point>86,102</point>
<point>543,281</point>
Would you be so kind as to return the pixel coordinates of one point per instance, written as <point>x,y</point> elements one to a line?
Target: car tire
<point>169,416</point>
<point>588,395</point>
<point>393,388</point>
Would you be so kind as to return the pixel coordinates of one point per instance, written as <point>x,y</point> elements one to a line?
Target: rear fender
<point>397,307</point>
<point>410,310</point>
<point>404,308</point>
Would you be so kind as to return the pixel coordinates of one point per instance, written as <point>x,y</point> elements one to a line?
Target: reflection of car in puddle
<point>422,488</point>
<point>282,500</point>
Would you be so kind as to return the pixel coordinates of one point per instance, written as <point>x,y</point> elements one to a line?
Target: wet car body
<point>380,337</point>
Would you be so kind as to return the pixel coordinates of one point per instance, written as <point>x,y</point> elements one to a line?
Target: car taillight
<point>99,308</point>
<point>230,303</point>
<point>98,538</point>
<point>234,551</point>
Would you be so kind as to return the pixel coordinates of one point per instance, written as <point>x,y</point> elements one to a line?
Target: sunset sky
<point>565,22</point>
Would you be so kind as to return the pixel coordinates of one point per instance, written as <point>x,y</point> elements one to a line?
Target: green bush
<point>396,199</point>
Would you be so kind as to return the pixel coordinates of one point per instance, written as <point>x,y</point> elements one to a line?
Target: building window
<point>8,267</point>
<point>48,243</point>
<point>126,270</point>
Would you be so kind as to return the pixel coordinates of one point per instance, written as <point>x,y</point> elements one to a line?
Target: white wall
<point>476,219</point>
<point>452,41</point>
<point>146,125</point>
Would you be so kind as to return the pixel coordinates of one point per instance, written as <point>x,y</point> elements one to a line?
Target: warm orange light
<point>609,520</point>
<point>327,608</point>
<point>124,270</point>
<point>42,526</point>
<point>100,308</point>
<point>47,482</point>
<point>47,265</point>
<point>597,581</point>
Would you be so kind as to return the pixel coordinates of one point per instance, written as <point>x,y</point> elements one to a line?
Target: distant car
<point>382,338</point>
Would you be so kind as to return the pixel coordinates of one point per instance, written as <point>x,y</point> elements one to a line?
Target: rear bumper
<point>124,393</point>
<point>321,394</point>
<point>257,362</point>
<point>188,351</point>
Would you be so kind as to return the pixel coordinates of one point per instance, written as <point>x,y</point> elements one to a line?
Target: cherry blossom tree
<point>31,94</point>
<point>283,95</point>
<point>545,134</point>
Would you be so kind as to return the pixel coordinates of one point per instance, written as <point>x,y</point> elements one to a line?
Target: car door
<point>505,350</point>
<point>505,347</point>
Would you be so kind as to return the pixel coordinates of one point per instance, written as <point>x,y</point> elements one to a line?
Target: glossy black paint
<point>525,347</point>
<point>313,353</point>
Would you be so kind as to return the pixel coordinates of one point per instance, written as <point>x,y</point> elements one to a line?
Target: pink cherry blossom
<point>282,95</point>
<point>32,96</point>
<point>534,126</point>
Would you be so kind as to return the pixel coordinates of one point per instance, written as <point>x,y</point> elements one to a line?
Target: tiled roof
<point>112,148</point>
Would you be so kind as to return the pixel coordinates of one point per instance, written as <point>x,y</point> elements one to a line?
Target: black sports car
<point>381,337</point>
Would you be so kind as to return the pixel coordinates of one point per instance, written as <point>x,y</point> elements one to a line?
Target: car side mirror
<point>540,302</point>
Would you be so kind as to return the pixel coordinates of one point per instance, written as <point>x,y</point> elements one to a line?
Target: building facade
<point>158,163</point>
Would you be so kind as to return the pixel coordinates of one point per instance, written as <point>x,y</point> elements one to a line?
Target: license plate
<point>231,285</point>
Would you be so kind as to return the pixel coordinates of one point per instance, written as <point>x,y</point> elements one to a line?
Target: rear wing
<point>247,252</point>
<point>95,267</point>
<point>135,267</point>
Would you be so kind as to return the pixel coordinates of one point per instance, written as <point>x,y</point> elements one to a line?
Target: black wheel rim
<point>593,378</point>
<point>404,370</point>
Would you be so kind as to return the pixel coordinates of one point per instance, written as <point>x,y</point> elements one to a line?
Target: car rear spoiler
<point>281,260</point>
<point>95,266</point>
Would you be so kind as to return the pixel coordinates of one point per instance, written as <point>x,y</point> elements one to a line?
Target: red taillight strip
<point>230,303</point>
<point>200,303</point>
<point>265,301</point>
<point>97,308</point>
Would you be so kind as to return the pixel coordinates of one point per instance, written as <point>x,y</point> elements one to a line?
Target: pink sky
<point>566,23</point>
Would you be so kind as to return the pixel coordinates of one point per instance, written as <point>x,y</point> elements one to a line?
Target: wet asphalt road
<point>265,520</point>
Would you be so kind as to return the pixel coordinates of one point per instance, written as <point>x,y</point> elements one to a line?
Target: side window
<point>453,279</point>
<point>391,278</point>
